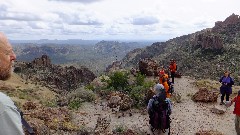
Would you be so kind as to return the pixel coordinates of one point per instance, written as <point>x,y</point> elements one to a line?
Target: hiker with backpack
<point>159,109</point>
<point>164,80</point>
<point>173,69</point>
<point>10,119</point>
<point>226,88</point>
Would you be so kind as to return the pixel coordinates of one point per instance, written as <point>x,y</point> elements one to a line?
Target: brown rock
<point>148,67</point>
<point>205,95</point>
<point>207,40</point>
<point>210,132</point>
<point>218,110</point>
<point>29,105</point>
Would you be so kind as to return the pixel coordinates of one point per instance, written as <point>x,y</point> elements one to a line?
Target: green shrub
<point>137,94</point>
<point>118,80</point>
<point>140,79</point>
<point>74,104</point>
<point>119,129</point>
<point>148,84</point>
<point>84,95</point>
<point>89,87</point>
<point>49,103</point>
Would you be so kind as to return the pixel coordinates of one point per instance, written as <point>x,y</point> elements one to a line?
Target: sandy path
<point>187,117</point>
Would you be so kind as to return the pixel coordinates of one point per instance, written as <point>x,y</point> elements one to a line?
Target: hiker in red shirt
<point>237,112</point>
<point>173,69</point>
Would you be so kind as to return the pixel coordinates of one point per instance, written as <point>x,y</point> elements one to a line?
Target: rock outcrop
<point>205,95</point>
<point>115,66</point>
<point>208,41</point>
<point>148,67</point>
<point>231,20</point>
<point>61,79</point>
<point>44,61</point>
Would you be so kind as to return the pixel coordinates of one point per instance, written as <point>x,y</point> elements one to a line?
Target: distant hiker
<point>10,119</point>
<point>164,80</point>
<point>226,88</point>
<point>159,110</point>
<point>173,68</point>
<point>237,112</point>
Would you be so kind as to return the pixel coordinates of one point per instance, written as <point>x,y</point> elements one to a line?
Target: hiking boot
<point>221,103</point>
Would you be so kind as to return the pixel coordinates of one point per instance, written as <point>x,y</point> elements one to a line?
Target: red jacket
<point>237,105</point>
<point>173,67</point>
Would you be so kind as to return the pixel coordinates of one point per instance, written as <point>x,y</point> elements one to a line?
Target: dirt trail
<point>187,117</point>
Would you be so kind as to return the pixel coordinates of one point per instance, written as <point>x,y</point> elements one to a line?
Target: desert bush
<point>119,129</point>
<point>140,79</point>
<point>209,84</point>
<point>84,95</point>
<point>137,94</point>
<point>49,102</point>
<point>89,87</point>
<point>118,80</point>
<point>75,104</point>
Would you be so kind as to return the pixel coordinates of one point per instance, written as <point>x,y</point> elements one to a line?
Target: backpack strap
<point>25,124</point>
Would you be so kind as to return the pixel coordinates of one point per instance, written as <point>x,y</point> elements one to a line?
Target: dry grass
<point>207,83</point>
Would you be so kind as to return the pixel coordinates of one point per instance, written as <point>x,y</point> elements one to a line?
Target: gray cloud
<point>88,22</point>
<point>3,7</point>
<point>203,24</point>
<point>80,1</point>
<point>76,19</point>
<point>18,16</point>
<point>148,20</point>
<point>169,24</point>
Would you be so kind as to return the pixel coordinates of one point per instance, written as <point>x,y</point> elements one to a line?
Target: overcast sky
<point>110,19</point>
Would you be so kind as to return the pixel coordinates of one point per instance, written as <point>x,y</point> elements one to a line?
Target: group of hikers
<point>159,106</point>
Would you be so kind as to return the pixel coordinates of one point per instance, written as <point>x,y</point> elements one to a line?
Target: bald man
<point>10,119</point>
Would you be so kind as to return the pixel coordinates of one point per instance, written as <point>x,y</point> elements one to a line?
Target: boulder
<point>148,67</point>
<point>103,125</point>
<point>218,110</point>
<point>205,95</point>
<point>119,100</point>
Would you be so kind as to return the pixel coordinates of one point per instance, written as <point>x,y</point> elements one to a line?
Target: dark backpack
<point>160,115</point>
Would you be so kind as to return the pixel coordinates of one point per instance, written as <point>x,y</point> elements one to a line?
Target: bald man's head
<point>7,57</point>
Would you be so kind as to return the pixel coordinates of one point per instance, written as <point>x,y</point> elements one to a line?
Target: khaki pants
<point>237,124</point>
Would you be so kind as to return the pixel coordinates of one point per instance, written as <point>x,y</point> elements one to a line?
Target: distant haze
<point>110,19</point>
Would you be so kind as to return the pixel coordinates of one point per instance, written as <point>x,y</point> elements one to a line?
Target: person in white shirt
<point>10,118</point>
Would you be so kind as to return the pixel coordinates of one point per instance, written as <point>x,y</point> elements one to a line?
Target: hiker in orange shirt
<point>163,79</point>
<point>173,69</point>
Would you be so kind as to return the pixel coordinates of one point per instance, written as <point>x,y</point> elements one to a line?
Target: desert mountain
<point>94,56</point>
<point>203,54</point>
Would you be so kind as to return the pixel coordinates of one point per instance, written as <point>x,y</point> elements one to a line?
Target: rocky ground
<point>188,117</point>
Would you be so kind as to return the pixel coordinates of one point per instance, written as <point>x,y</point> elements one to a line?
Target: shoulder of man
<point>6,100</point>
